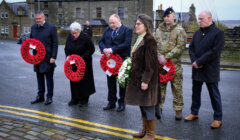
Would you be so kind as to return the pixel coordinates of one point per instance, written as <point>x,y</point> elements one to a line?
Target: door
<point>15,31</point>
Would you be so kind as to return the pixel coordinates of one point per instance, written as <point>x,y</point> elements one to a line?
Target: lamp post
<point>20,14</point>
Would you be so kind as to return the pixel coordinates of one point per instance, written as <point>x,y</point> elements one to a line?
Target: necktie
<point>114,33</point>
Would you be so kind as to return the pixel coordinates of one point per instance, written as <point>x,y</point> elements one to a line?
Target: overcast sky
<point>221,9</point>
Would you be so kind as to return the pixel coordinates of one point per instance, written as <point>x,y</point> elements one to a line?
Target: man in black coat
<point>116,39</point>
<point>47,34</point>
<point>204,51</point>
<point>88,28</point>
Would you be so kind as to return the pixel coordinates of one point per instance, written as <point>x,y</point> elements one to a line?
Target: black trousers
<point>41,83</point>
<point>214,96</point>
<point>77,96</point>
<point>112,91</point>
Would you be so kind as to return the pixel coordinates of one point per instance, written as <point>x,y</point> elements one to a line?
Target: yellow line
<point>68,123</point>
<point>81,121</point>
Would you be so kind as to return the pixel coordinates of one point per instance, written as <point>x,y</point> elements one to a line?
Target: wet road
<point>18,86</point>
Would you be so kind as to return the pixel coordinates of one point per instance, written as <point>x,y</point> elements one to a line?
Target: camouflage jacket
<point>171,42</point>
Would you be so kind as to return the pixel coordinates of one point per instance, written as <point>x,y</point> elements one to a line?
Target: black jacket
<point>120,44</point>
<point>88,30</point>
<point>47,34</point>
<point>205,49</point>
<point>83,47</point>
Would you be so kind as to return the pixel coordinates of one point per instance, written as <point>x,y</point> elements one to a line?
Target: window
<point>2,29</point>
<point>26,30</point>
<point>20,12</point>
<point>6,14</point>
<point>99,12</point>
<point>121,12</point>
<point>32,15</point>
<point>2,14</point>
<point>60,4</point>
<point>45,4</point>
<point>6,29</point>
<point>78,12</point>
<point>60,19</point>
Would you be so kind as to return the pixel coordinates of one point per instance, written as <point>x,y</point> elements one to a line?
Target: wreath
<point>111,64</point>
<point>77,75</point>
<point>169,72</point>
<point>34,45</point>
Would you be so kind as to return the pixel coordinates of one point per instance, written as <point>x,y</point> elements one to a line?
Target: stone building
<point>15,18</point>
<point>63,12</point>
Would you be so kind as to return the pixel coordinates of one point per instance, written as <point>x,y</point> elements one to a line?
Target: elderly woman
<point>80,43</point>
<point>144,87</point>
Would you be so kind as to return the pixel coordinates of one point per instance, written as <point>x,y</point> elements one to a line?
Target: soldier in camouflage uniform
<point>171,40</point>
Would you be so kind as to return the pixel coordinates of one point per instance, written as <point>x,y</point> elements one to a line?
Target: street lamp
<point>20,14</point>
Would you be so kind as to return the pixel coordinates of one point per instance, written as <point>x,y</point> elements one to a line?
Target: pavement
<point>12,129</point>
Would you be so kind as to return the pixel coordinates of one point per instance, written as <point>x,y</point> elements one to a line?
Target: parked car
<point>22,38</point>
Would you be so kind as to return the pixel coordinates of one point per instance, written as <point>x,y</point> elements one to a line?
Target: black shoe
<point>38,100</point>
<point>72,102</point>
<point>120,108</point>
<point>48,101</point>
<point>82,104</point>
<point>108,107</point>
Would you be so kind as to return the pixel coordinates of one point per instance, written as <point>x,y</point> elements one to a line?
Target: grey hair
<point>39,13</point>
<point>75,26</point>
<point>207,13</point>
<point>115,15</point>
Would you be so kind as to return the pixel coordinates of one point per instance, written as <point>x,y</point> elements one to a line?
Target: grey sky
<point>221,9</point>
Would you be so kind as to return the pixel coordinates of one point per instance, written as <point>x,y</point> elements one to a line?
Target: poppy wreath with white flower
<point>111,64</point>
<point>35,45</point>
<point>164,78</point>
<point>79,63</point>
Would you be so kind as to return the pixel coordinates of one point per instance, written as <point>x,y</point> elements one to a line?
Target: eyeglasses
<point>138,23</point>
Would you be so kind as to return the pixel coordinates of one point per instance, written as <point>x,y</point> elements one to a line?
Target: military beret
<point>168,11</point>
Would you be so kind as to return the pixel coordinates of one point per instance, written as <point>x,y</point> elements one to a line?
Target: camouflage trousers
<point>176,86</point>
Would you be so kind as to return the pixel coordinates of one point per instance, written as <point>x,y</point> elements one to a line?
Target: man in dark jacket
<point>47,34</point>
<point>204,52</point>
<point>116,39</point>
<point>87,28</point>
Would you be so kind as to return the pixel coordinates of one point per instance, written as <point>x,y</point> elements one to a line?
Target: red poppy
<point>79,63</point>
<point>164,78</point>
<point>36,45</point>
<point>111,64</point>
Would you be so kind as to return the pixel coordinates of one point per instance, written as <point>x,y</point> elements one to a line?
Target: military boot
<point>178,115</point>
<point>143,131</point>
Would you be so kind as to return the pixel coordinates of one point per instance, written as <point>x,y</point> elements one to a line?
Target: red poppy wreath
<point>35,45</point>
<point>111,64</point>
<point>170,69</point>
<point>77,75</point>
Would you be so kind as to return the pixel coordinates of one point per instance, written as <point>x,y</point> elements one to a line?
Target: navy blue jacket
<point>205,49</point>
<point>120,44</point>
<point>47,34</point>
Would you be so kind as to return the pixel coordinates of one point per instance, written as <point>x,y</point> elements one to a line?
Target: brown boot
<point>143,131</point>
<point>178,115</point>
<point>191,117</point>
<point>216,124</point>
<point>150,130</point>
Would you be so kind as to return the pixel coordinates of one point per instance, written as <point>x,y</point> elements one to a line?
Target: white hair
<point>75,26</point>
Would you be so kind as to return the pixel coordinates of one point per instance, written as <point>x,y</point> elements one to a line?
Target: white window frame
<point>2,29</point>
<point>6,29</point>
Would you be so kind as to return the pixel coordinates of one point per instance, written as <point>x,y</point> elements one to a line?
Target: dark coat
<point>83,47</point>
<point>120,44</point>
<point>144,69</point>
<point>88,30</point>
<point>205,49</point>
<point>47,34</point>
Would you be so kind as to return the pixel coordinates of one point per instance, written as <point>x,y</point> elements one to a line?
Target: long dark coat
<point>144,69</point>
<point>83,47</point>
<point>205,49</point>
<point>47,34</point>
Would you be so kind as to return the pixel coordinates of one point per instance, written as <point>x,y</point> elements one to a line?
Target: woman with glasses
<point>144,87</point>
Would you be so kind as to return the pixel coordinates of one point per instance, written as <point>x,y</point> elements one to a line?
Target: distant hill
<point>230,23</point>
